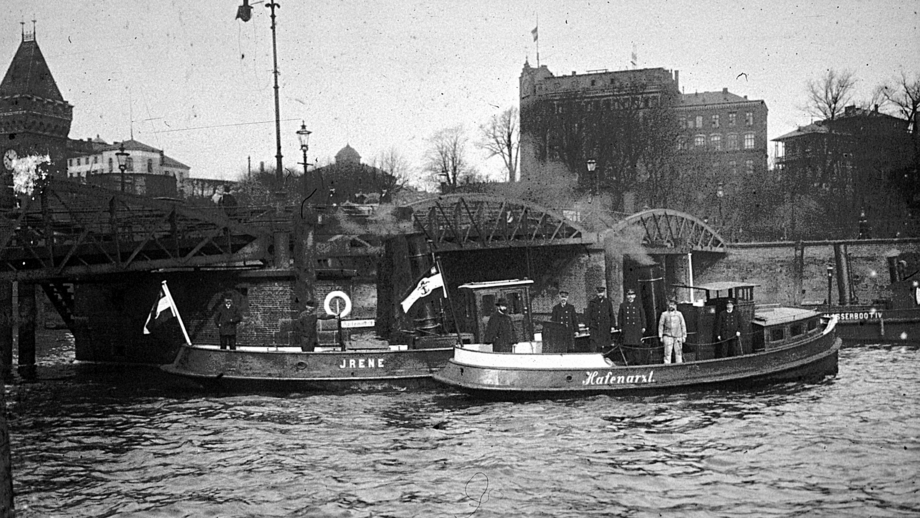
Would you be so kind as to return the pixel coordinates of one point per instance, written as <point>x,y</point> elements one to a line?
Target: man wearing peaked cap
<point>632,322</point>
<point>601,319</point>
<point>564,313</point>
<point>500,329</point>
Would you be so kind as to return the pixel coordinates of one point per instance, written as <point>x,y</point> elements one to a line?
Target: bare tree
<point>446,158</point>
<point>829,95</point>
<point>500,138</point>
<point>903,94</point>
<point>397,167</point>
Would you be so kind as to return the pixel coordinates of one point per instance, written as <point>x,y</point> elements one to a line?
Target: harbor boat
<point>894,318</point>
<point>784,344</point>
<point>255,368</point>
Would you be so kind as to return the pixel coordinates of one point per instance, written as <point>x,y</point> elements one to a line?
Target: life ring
<point>327,304</point>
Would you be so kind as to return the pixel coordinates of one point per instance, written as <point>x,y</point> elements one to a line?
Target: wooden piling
<point>6,465</point>
<point>27,312</point>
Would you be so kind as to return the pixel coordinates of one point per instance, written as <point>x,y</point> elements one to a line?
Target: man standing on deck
<point>632,322</point>
<point>226,319</point>
<point>564,313</point>
<point>500,329</point>
<point>601,319</point>
<point>672,331</point>
<point>728,332</point>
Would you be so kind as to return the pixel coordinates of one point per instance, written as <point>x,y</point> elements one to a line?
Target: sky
<point>190,79</point>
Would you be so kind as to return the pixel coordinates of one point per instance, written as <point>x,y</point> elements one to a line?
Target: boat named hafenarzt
<point>612,378</point>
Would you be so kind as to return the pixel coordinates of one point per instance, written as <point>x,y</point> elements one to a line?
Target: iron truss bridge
<point>467,222</point>
<point>665,231</point>
<point>70,230</point>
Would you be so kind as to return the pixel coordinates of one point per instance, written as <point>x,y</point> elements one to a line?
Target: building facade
<point>724,133</point>
<point>148,170</point>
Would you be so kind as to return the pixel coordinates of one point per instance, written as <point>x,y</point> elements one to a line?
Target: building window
<point>731,118</point>
<point>149,165</point>
<point>593,82</point>
<point>681,144</point>
<point>70,162</point>
<point>732,141</point>
<point>95,159</point>
<point>78,161</point>
<point>715,121</point>
<point>699,140</point>
<point>733,167</point>
<point>749,118</point>
<point>130,164</point>
<point>682,122</point>
<point>715,142</point>
<point>110,165</point>
<point>748,141</point>
<point>699,121</point>
<point>749,166</point>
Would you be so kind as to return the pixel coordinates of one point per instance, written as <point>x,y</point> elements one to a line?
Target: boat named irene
<point>787,344</point>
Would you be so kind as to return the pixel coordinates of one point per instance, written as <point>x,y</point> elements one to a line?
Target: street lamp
<point>592,166</point>
<point>244,12</point>
<point>303,135</point>
<point>122,157</point>
<point>830,283</point>
<point>720,193</point>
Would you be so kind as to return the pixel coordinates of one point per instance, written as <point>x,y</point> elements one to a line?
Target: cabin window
<point>812,324</point>
<point>797,329</point>
<point>488,304</point>
<point>777,334</point>
<point>515,305</point>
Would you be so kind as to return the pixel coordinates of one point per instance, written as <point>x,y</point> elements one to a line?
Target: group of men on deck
<point>636,349</point>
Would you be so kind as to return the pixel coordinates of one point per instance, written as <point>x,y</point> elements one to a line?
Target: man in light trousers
<point>672,331</point>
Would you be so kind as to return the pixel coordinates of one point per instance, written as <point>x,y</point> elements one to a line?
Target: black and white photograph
<point>273,258</point>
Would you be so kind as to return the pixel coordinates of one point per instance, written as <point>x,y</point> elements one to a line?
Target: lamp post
<point>830,282</point>
<point>304,246</point>
<point>720,193</point>
<point>244,12</point>
<point>122,157</point>
<point>592,176</point>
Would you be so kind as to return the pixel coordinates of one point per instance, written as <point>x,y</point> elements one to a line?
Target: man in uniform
<point>564,313</point>
<point>632,323</point>
<point>601,319</point>
<point>728,332</point>
<point>500,329</point>
<point>226,319</point>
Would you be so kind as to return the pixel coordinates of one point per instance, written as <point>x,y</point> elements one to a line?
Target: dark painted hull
<point>257,369</point>
<point>870,325</point>
<point>476,373</point>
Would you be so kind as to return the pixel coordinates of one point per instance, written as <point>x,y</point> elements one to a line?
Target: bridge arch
<point>479,221</point>
<point>667,231</point>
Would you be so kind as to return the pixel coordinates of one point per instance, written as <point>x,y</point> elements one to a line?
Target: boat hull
<point>265,368</point>
<point>868,325</point>
<point>586,374</point>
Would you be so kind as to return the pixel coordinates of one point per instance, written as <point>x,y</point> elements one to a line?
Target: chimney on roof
<point>724,90</point>
<point>573,72</point>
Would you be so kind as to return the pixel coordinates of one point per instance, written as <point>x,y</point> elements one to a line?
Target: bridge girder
<point>475,221</point>
<point>666,231</point>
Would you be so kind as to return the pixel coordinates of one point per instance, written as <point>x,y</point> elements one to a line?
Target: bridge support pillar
<point>282,257</point>
<point>679,272</point>
<point>27,317</point>
<point>6,329</point>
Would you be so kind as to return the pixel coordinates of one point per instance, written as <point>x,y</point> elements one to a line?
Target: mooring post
<point>6,329</point>
<point>27,312</point>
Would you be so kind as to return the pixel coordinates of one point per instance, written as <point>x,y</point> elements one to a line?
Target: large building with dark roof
<point>34,117</point>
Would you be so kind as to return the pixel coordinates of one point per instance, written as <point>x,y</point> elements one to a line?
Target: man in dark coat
<point>632,322</point>
<point>728,332</point>
<point>601,319</point>
<point>226,319</point>
<point>564,313</point>
<point>500,329</point>
<point>307,323</point>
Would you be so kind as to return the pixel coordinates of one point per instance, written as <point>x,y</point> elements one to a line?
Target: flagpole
<point>437,262</point>
<point>172,304</point>
<point>536,39</point>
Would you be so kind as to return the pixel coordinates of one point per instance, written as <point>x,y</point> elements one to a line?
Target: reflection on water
<point>98,442</point>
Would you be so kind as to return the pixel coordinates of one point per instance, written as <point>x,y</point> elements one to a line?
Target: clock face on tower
<point>8,157</point>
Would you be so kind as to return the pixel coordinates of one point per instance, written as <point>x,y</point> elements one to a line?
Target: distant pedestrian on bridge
<point>226,319</point>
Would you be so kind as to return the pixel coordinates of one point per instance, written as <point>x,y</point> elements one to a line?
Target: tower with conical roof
<point>34,117</point>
